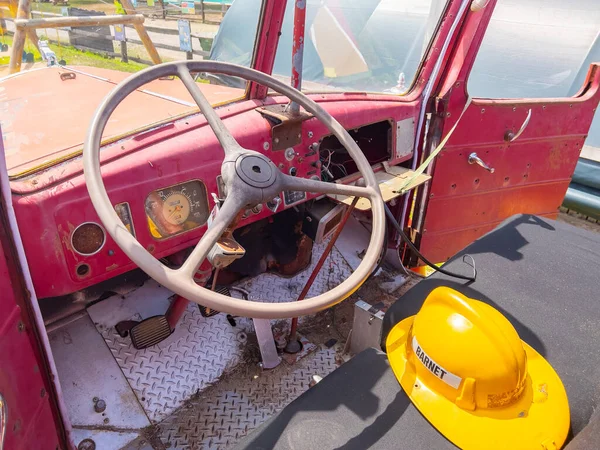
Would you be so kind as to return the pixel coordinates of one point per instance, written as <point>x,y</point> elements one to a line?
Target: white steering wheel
<point>250,178</point>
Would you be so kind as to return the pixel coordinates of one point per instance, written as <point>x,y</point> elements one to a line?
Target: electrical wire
<point>398,228</point>
<point>382,255</point>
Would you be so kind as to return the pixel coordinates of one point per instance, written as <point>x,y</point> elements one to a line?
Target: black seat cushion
<point>358,406</point>
<point>545,277</point>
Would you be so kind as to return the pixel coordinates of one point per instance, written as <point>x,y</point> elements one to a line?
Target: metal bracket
<point>287,126</point>
<point>266,343</point>
<point>366,328</point>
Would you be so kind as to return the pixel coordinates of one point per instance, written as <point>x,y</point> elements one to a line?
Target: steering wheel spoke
<point>226,140</point>
<point>224,218</point>
<point>250,177</point>
<point>307,185</point>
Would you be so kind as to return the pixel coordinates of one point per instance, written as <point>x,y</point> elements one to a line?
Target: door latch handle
<point>474,159</point>
<point>510,136</point>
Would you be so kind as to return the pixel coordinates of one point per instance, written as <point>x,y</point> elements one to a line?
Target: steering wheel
<point>250,178</point>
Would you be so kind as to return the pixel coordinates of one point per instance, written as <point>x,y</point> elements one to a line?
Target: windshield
<point>65,72</point>
<point>351,45</point>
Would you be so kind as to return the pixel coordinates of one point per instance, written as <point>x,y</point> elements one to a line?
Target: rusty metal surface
<point>287,131</point>
<point>281,289</point>
<point>43,124</point>
<point>223,414</point>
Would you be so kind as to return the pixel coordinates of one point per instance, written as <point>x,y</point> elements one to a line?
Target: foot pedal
<point>150,332</point>
<point>208,312</point>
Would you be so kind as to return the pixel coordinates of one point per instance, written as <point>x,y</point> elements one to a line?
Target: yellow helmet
<point>466,370</point>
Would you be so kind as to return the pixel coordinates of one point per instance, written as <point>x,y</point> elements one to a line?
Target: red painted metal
<point>531,174</point>
<point>52,203</point>
<point>176,310</point>
<point>266,44</point>
<point>32,415</point>
<point>298,48</point>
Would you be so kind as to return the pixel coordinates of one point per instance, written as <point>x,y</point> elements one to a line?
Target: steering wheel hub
<point>256,171</point>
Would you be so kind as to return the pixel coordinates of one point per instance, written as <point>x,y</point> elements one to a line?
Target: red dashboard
<point>50,205</point>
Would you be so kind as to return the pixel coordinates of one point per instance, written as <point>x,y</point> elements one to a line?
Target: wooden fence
<point>204,40</point>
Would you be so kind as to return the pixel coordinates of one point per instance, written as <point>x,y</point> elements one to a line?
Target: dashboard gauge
<point>176,209</point>
<point>124,212</point>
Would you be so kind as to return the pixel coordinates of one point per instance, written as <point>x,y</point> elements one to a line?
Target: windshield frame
<point>424,70</point>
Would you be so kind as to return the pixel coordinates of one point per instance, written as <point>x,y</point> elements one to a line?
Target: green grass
<point>75,57</point>
<point>83,4</point>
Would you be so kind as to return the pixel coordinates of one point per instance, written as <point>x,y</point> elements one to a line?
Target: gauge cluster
<point>175,209</point>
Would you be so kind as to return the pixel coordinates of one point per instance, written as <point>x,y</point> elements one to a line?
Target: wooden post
<point>164,11</point>
<point>33,37</point>
<point>142,33</point>
<point>190,55</point>
<point>72,21</point>
<point>202,10</point>
<point>124,57</point>
<point>16,54</point>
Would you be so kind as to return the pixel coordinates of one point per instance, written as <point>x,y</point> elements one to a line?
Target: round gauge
<point>176,208</point>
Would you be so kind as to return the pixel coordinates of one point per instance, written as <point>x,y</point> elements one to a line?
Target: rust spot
<point>65,238</point>
<point>554,158</point>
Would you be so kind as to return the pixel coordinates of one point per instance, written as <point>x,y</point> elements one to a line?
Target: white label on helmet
<point>435,368</point>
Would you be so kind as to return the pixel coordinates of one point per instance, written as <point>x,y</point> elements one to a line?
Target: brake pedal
<point>150,332</point>
<point>208,312</point>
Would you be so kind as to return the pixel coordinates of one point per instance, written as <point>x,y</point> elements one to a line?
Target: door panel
<point>531,174</point>
<point>30,422</point>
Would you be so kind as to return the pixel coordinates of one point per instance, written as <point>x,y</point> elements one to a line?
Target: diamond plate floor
<point>201,349</point>
<point>275,288</point>
<point>193,357</point>
<point>224,413</point>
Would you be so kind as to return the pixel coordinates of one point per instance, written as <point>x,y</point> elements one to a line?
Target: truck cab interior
<point>183,245</point>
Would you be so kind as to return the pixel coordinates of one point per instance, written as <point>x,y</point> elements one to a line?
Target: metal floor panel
<point>194,356</point>
<point>86,369</point>
<point>221,415</point>
<point>277,289</point>
<point>201,350</point>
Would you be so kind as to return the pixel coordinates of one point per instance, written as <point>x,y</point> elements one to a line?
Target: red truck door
<point>509,154</point>
<point>29,418</point>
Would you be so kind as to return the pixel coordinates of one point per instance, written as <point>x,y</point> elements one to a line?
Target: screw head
<point>265,145</point>
<point>87,444</point>
<point>100,406</point>
<point>310,134</point>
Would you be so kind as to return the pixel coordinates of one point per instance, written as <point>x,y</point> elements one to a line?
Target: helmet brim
<point>540,418</point>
